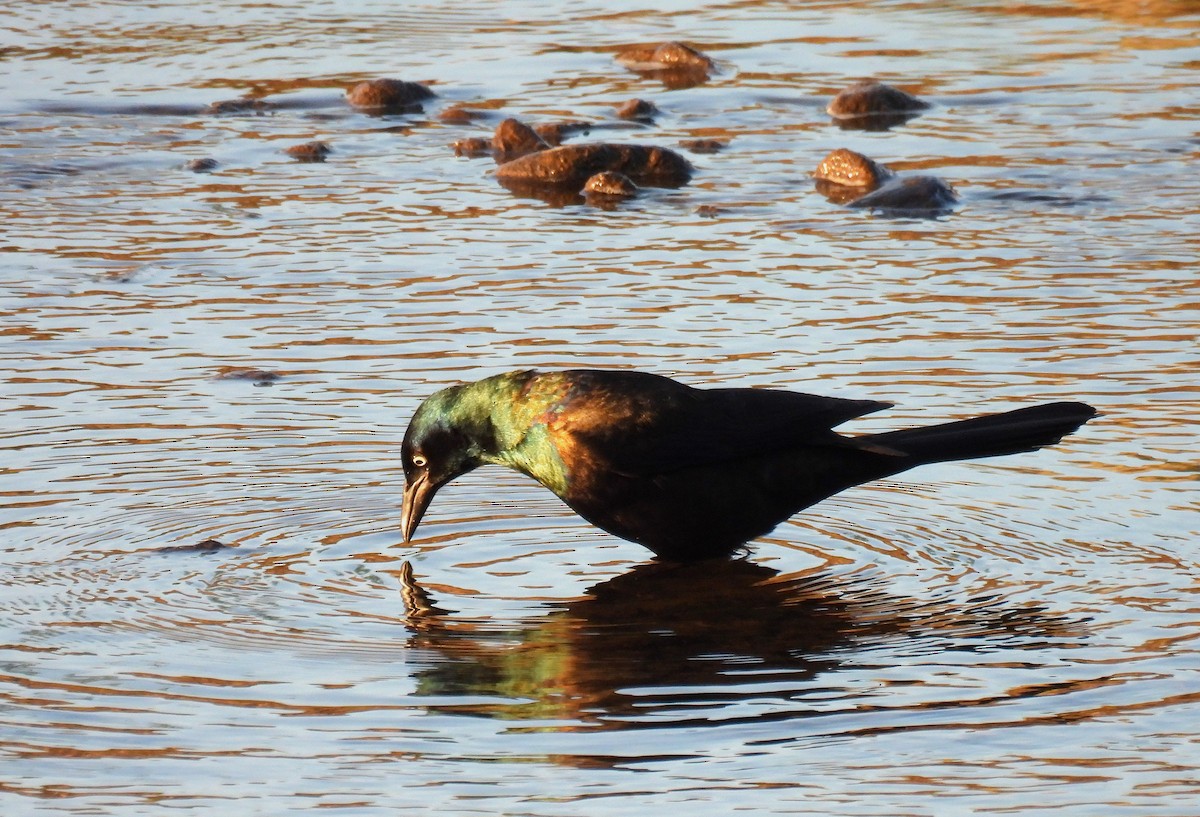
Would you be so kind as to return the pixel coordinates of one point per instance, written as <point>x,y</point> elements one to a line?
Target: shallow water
<point>234,355</point>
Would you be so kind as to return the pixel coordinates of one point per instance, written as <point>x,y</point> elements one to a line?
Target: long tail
<point>991,435</point>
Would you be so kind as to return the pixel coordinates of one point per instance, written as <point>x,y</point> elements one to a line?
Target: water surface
<point>233,356</point>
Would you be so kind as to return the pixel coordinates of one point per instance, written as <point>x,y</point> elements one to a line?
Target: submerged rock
<point>473,147</point>
<point>703,145</point>
<point>461,115</point>
<point>638,110</point>
<point>910,195</point>
<point>553,133</point>
<point>674,64</point>
<point>874,106</point>
<point>259,377</point>
<point>309,151</point>
<point>572,165</point>
<point>201,165</point>
<point>607,189</point>
<point>243,105</point>
<point>207,546</point>
<point>610,183</point>
<point>850,169</point>
<point>872,99</point>
<point>657,56</point>
<point>388,95</point>
<point>514,139</point>
<point>846,177</point>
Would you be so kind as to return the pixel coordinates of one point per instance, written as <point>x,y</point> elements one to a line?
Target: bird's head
<point>441,443</point>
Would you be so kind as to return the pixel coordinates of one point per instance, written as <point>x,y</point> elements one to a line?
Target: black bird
<point>689,473</point>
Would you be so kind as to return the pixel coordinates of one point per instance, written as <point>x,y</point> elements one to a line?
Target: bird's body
<point>689,473</point>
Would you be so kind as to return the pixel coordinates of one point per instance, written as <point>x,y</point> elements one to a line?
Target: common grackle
<point>689,473</point>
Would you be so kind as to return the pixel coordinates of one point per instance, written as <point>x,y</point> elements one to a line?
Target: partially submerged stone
<point>309,151</point>
<point>703,145</point>
<point>553,133</point>
<point>610,183</point>
<point>388,95</point>
<point>845,167</point>
<point>871,99</point>
<point>473,147</point>
<point>664,56</point>
<point>910,195</point>
<point>207,546</point>
<point>259,377</point>
<point>675,64</point>
<point>638,110</point>
<point>514,139</point>
<point>573,164</point>
<point>203,165</point>
<point>460,115</point>
<point>243,105</point>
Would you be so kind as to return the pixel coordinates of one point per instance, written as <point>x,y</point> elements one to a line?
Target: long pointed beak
<point>417,496</point>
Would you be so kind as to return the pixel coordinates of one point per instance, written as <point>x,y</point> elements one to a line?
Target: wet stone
<point>473,147</point>
<point>910,195</point>
<point>309,151</point>
<point>703,145</point>
<point>638,110</point>
<point>867,100</point>
<point>514,139</point>
<point>207,546</point>
<point>388,95</point>
<point>259,377</point>
<point>203,165</point>
<point>573,164</point>
<point>243,105</point>
<point>845,167</point>
<point>661,56</point>
<point>674,64</point>
<point>460,115</point>
<point>555,133</point>
<point>610,183</point>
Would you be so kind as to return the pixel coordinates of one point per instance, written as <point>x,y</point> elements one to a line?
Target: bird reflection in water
<point>668,643</point>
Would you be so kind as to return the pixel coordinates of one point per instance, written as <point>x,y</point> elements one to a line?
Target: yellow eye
<point>419,461</point>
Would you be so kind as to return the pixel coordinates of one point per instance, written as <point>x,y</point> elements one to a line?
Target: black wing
<point>642,425</point>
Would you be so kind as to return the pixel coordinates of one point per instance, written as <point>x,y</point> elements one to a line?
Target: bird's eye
<point>419,461</point>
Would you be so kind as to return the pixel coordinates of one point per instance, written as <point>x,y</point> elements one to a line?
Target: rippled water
<point>233,356</point>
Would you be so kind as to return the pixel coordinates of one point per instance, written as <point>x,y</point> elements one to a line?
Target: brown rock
<point>207,546</point>
<point>867,99</point>
<point>259,377</point>
<point>553,133</point>
<point>637,109</point>
<point>201,165</point>
<point>673,64</point>
<point>473,147</point>
<point>912,195</point>
<point>574,164</point>
<point>309,151</point>
<point>845,167</point>
<point>459,115</point>
<point>514,139</point>
<point>610,183</point>
<point>703,145</point>
<point>243,105</point>
<point>661,56</point>
<point>388,95</point>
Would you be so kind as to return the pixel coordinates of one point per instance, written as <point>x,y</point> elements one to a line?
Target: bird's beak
<point>417,496</point>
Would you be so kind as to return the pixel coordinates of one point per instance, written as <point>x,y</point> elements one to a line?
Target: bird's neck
<point>508,424</point>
